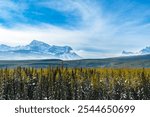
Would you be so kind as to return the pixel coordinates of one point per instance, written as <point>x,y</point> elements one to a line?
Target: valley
<point>118,62</point>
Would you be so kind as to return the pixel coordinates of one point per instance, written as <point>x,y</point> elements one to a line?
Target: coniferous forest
<point>59,83</point>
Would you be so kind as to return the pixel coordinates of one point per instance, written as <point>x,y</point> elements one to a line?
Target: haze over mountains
<point>37,50</point>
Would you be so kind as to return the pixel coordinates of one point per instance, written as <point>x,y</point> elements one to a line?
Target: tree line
<point>61,83</point>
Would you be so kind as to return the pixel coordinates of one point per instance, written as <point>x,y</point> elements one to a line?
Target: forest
<point>62,83</point>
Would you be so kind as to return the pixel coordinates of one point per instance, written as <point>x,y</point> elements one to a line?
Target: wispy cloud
<point>105,29</point>
<point>11,11</point>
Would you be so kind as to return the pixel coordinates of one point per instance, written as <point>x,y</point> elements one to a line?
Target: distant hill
<point>118,62</point>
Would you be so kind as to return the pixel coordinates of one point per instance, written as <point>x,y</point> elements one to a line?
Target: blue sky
<point>93,28</point>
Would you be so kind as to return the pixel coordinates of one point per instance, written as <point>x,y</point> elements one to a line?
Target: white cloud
<point>10,10</point>
<point>92,55</point>
<point>97,30</point>
<point>50,34</point>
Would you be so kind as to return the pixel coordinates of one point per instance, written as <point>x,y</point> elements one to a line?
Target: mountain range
<point>144,51</point>
<point>37,50</point>
<point>41,50</point>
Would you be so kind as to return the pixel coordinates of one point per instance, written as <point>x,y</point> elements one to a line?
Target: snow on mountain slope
<point>145,50</point>
<point>37,50</point>
<point>141,52</point>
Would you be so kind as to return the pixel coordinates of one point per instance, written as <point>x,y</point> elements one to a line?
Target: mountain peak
<point>145,50</point>
<point>127,53</point>
<point>36,42</point>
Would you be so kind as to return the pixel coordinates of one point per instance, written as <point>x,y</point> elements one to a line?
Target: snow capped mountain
<point>145,50</point>
<point>37,50</point>
<point>141,52</point>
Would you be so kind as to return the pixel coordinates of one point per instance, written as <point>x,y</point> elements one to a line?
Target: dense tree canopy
<point>74,83</point>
